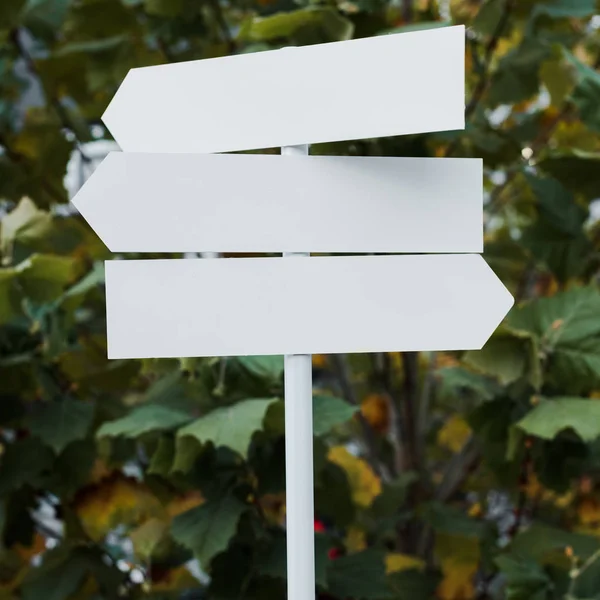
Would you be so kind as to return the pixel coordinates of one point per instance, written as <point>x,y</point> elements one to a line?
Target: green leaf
<point>503,357</point>
<point>421,26</point>
<point>459,382</point>
<point>273,562</point>
<point>525,578</point>
<point>561,9</point>
<point>207,529</point>
<point>162,459</point>
<point>452,521</point>
<point>557,237</point>
<point>23,462</point>
<point>547,544</point>
<point>44,277</point>
<point>586,94</point>
<point>575,169</point>
<point>144,419</point>
<point>58,578</point>
<point>269,368</point>
<point>231,426</point>
<point>324,24</point>
<point>393,495</point>
<point>488,17</point>
<point>44,18</point>
<point>9,296</point>
<point>413,584</point>
<point>58,423</point>
<point>163,8</point>
<point>10,11</point>
<point>360,575</point>
<point>567,329</point>
<point>517,76</point>
<point>553,415</point>
<point>65,570</point>
<point>329,411</point>
<point>25,224</point>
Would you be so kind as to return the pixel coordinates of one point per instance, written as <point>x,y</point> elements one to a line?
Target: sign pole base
<point>299,462</point>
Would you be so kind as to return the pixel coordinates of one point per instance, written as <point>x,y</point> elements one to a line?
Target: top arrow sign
<point>372,87</point>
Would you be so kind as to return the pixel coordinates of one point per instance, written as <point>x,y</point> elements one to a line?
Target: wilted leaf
<point>231,426</point>
<point>553,415</point>
<point>207,529</point>
<point>116,500</point>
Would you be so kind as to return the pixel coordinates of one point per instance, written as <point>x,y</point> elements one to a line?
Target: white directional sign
<point>230,307</point>
<point>372,87</point>
<point>175,197</point>
<point>267,203</point>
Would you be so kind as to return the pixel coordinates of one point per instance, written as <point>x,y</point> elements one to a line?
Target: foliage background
<point>451,475</point>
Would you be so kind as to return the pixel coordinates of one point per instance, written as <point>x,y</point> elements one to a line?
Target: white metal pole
<point>299,460</point>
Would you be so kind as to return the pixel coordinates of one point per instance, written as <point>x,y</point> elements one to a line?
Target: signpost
<point>268,203</point>
<point>167,194</point>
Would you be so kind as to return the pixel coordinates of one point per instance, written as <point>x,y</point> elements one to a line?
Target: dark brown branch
<point>408,410</point>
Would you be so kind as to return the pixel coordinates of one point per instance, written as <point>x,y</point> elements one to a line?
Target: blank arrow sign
<point>265,203</point>
<point>233,307</point>
<point>381,86</point>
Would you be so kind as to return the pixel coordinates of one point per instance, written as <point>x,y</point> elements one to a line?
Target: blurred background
<point>454,476</point>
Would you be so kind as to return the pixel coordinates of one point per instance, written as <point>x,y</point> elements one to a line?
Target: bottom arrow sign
<point>249,306</point>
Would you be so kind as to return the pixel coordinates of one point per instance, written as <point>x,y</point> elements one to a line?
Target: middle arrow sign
<point>271,203</point>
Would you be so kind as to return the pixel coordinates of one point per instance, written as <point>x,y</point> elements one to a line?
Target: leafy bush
<point>449,475</point>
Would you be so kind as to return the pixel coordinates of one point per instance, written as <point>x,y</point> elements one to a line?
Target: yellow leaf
<point>356,539</point>
<point>183,503</point>
<point>375,408</point>
<point>459,561</point>
<point>365,485</point>
<point>454,434</point>
<point>116,500</point>
<point>457,583</point>
<point>395,562</point>
<point>319,361</point>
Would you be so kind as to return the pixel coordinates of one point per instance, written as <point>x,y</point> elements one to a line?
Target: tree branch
<point>408,409</point>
